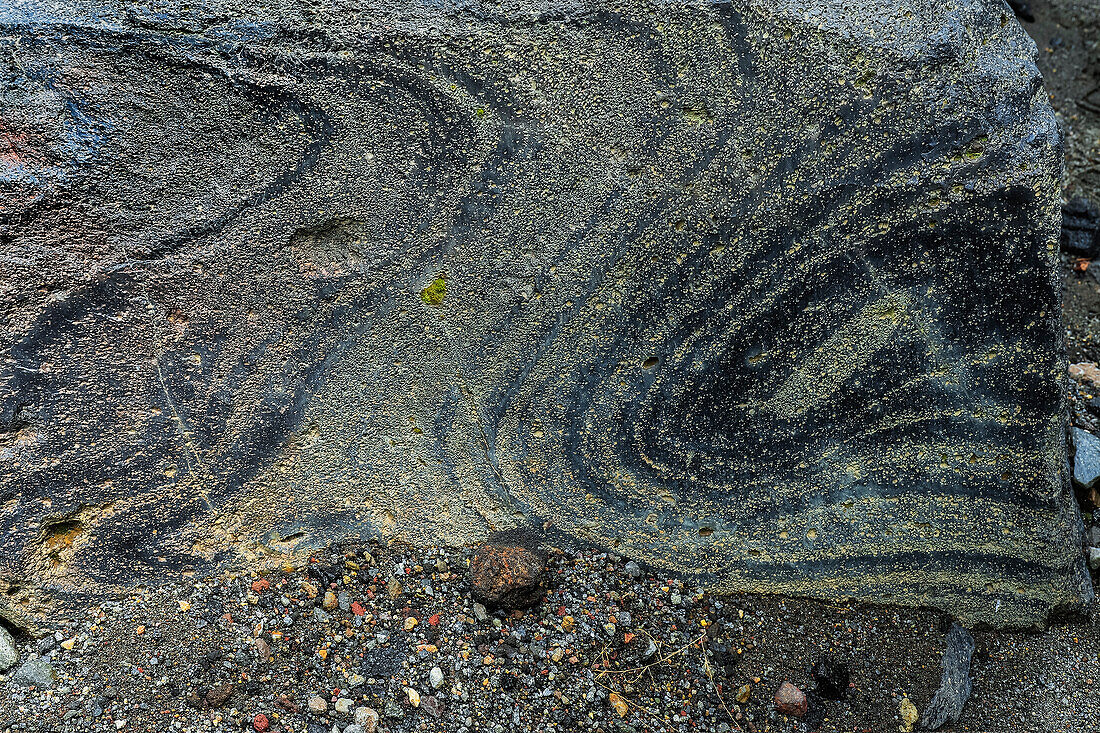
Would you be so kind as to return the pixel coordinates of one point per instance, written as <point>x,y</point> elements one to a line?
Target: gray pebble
<point>1086,458</point>
<point>36,672</point>
<point>8,654</point>
<point>1092,536</point>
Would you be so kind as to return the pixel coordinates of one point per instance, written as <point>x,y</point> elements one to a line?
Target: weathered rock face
<point>759,291</point>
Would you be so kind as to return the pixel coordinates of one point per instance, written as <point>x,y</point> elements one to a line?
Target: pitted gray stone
<point>760,292</point>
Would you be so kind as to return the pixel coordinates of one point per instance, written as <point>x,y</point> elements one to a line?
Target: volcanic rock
<point>761,292</point>
<point>508,571</point>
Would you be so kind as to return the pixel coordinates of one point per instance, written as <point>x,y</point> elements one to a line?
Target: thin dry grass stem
<point>710,676</point>
<point>653,714</point>
<point>642,670</point>
<point>645,667</point>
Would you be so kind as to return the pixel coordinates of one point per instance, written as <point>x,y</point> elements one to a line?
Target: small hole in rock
<point>60,536</point>
<point>706,531</point>
<point>650,362</point>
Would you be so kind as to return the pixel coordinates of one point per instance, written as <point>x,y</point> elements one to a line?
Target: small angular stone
<point>791,701</point>
<point>1092,536</point>
<point>35,672</point>
<point>431,706</point>
<point>219,695</point>
<point>1086,373</point>
<point>368,718</point>
<point>909,714</point>
<point>947,704</point>
<point>618,703</point>
<point>1086,459</point>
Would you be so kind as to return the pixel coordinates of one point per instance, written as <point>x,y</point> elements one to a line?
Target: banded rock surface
<point>761,291</point>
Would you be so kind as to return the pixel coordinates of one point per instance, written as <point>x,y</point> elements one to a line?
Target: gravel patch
<point>603,651</point>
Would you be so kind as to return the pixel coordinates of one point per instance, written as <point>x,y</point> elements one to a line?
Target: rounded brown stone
<point>508,571</point>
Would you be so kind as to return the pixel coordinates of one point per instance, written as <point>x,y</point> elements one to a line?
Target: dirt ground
<point>1068,36</point>
<point>611,648</point>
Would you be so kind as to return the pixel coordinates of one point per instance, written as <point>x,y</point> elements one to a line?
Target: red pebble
<point>434,619</point>
<point>261,723</point>
<point>258,586</point>
<point>789,700</point>
<point>357,609</point>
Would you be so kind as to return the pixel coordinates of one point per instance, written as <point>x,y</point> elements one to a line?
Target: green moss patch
<point>433,294</point>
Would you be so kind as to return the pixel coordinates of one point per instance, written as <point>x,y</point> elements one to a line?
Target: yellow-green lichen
<point>433,294</point>
<point>697,115</point>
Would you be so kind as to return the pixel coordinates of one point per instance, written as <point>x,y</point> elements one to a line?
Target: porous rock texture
<point>508,571</point>
<point>947,704</point>
<point>761,291</point>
